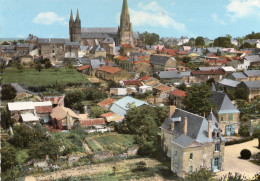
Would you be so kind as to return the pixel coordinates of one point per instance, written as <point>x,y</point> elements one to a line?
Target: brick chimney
<point>209,129</point>
<point>171,110</point>
<point>185,129</point>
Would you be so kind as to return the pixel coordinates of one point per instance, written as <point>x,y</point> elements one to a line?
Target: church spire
<point>77,18</point>
<point>71,16</point>
<point>125,8</point>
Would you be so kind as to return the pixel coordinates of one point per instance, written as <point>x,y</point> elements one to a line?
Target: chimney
<point>185,130</point>
<point>209,129</point>
<point>172,125</point>
<point>171,110</point>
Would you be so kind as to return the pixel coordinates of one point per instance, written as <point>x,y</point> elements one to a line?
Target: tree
<point>186,59</point>
<point>96,111</point>
<point>200,175</point>
<point>8,159</point>
<point>48,64</point>
<point>199,41</point>
<point>8,92</point>
<point>149,38</point>
<point>198,99</point>
<point>247,45</point>
<point>229,37</point>
<point>6,120</point>
<point>73,97</point>
<point>223,42</point>
<point>38,67</point>
<point>253,35</point>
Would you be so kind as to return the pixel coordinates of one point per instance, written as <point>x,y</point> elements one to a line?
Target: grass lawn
<point>113,142</point>
<point>31,77</point>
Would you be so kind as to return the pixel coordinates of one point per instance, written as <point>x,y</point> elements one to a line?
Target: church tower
<point>75,28</point>
<point>126,31</point>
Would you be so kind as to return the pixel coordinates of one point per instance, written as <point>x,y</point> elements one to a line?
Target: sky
<point>168,18</point>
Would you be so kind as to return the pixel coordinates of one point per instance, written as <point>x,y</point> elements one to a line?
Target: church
<point>95,36</point>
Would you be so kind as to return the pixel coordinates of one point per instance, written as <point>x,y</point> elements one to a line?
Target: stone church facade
<point>95,36</point>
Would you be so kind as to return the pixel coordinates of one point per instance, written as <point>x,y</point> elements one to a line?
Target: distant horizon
<point>168,18</point>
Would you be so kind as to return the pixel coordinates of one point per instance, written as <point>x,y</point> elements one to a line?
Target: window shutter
<point>212,164</point>
<point>220,163</point>
<point>232,129</point>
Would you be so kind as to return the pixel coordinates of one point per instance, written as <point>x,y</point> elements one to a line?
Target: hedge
<point>233,142</point>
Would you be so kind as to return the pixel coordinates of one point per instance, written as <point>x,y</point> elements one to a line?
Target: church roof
<point>99,30</point>
<point>51,40</point>
<point>96,35</point>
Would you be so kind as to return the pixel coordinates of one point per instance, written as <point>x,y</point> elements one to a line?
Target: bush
<point>8,92</point>
<point>244,130</point>
<point>245,154</point>
<point>239,141</point>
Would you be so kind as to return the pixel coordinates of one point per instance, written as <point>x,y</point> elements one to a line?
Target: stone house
<point>112,73</point>
<point>52,48</point>
<point>95,64</point>
<point>226,113</point>
<point>229,84</point>
<point>72,49</point>
<point>252,75</point>
<point>23,48</point>
<point>32,40</point>
<point>109,45</point>
<point>63,118</point>
<point>171,77</point>
<point>162,62</point>
<point>26,59</point>
<point>192,142</point>
<point>203,76</point>
<point>237,76</point>
<point>84,69</point>
<point>126,49</point>
<point>252,88</point>
<point>176,97</point>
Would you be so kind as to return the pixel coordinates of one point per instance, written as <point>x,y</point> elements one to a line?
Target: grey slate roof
<point>215,124</point>
<point>213,87</point>
<point>252,73</point>
<point>183,140</point>
<point>214,49</point>
<point>159,59</point>
<point>95,35</point>
<point>253,58</point>
<point>19,88</point>
<point>72,44</point>
<point>252,84</point>
<point>108,40</point>
<point>96,63</point>
<point>149,47</point>
<point>52,40</point>
<point>229,82</point>
<point>223,103</point>
<point>239,75</point>
<point>23,45</point>
<point>209,68</point>
<point>186,74</point>
<point>100,30</point>
<point>251,41</point>
<point>169,74</point>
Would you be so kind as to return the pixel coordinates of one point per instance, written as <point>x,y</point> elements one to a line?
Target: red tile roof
<point>183,52</point>
<point>171,52</point>
<point>145,78</point>
<point>54,99</point>
<point>127,45</point>
<point>132,82</point>
<point>43,109</point>
<point>222,61</point>
<point>83,67</point>
<point>179,93</point>
<point>106,102</point>
<point>107,114</point>
<point>163,88</point>
<point>92,122</point>
<point>110,69</point>
<point>210,72</point>
<point>122,58</point>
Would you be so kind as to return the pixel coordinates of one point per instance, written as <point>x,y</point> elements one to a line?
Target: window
<point>176,153</point>
<point>190,170</point>
<point>222,118</point>
<point>217,147</point>
<point>191,156</point>
<point>230,117</point>
<point>53,51</point>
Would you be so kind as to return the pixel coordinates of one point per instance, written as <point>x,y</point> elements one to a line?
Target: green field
<point>31,77</point>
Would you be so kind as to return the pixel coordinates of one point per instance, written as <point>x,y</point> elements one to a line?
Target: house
<point>226,113</point>
<point>162,92</point>
<point>255,42</point>
<point>228,69</point>
<point>237,76</point>
<point>26,59</point>
<point>143,89</point>
<point>229,84</point>
<point>84,68</point>
<point>29,117</point>
<point>169,76</point>
<point>30,110</point>
<point>118,91</point>
<point>203,76</point>
<point>106,104</point>
<point>121,106</point>
<point>112,117</point>
<point>177,97</point>
<point>131,83</point>
<point>112,73</point>
<point>95,64</point>
<point>162,62</point>
<point>217,62</point>
<point>192,142</point>
<point>109,45</point>
<point>96,124</point>
<point>253,60</point>
<point>63,118</point>
<point>56,100</point>
<point>150,49</point>
<point>72,49</point>
<point>252,75</point>
<point>252,88</point>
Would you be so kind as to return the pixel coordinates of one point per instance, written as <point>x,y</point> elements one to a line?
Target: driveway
<point>233,164</point>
